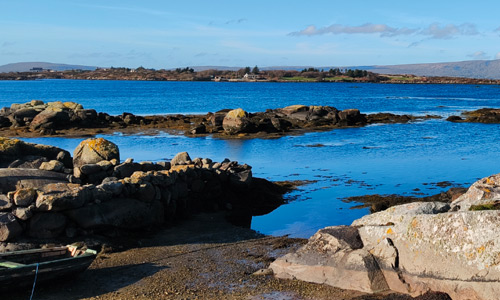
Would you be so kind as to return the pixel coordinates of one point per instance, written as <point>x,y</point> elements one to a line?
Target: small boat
<point>21,268</point>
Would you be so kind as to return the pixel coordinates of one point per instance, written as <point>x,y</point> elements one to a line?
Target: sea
<point>414,159</point>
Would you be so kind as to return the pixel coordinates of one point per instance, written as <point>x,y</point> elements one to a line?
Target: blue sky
<point>166,34</point>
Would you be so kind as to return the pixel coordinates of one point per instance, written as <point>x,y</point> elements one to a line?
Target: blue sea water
<point>406,159</point>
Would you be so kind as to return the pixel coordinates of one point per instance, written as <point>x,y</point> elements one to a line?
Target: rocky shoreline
<point>47,195</point>
<point>37,118</point>
<point>483,115</point>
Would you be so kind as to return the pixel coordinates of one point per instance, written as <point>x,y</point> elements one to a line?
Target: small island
<point>246,74</point>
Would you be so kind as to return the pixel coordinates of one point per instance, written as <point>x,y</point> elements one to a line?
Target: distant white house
<point>250,77</point>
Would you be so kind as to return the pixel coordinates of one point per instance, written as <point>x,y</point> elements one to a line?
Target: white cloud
<point>433,31</point>
<point>368,28</point>
<point>436,31</point>
<point>497,56</point>
<point>478,55</point>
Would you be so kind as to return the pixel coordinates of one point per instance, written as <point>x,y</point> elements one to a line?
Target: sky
<point>169,34</point>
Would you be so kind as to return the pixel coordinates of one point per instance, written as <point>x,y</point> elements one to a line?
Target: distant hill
<point>26,66</point>
<point>481,69</point>
<point>484,69</point>
<point>489,69</point>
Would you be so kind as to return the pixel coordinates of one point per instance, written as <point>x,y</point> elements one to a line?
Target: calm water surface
<point>377,159</point>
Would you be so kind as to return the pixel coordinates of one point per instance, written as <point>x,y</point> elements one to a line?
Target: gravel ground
<point>202,258</point>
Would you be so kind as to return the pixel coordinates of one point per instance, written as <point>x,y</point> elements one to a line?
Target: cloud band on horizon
<point>433,31</point>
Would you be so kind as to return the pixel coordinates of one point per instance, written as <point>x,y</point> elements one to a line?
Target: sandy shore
<point>202,258</point>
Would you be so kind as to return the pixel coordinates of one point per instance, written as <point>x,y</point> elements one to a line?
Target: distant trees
<point>356,73</point>
<point>242,72</point>
<point>185,70</point>
<point>309,70</point>
<point>255,70</point>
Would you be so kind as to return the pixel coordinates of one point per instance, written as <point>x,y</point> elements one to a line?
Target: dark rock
<point>121,212</point>
<point>351,117</point>
<point>454,119</point>
<point>9,227</point>
<point>483,115</point>
<point>24,114</point>
<point>10,179</point>
<point>24,197</point>
<point>115,188</point>
<point>85,118</point>
<point>24,213</point>
<point>181,158</point>
<point>47,225</point>
<point>13,149</point>
<point>62,196</point>
<point>198,129</point>
<point>51,117</point>
<point>243,178</point>
<point>88,169</point>
<point>218,118</point>
<point>146,192</point>
<point>126,169</point>
<point>5,203</point>
<point>165,165</point>
<point>147,166</point>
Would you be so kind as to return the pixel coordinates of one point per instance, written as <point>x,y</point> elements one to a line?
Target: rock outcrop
<point>101,194</point>
<point>16,153</point>
<point>55,118</point>
<point>410,248</point>
<point>483,115</point>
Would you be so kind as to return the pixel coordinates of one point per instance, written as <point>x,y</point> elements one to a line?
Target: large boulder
<point>335,256</point>
<point>52,117</point>
<point>417,247</point>
<point>92,151</point>
<point>12,179</point>
<point>181,158</point>
<point>62,196</point>
<point>236,121</point>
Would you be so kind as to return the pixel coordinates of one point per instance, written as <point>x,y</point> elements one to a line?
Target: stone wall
<point>99,195</point>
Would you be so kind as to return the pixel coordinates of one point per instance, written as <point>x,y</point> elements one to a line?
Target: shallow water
<point>382,159</point>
